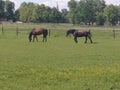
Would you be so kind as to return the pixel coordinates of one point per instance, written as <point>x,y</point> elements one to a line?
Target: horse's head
<point>67,33</point>
<point>70,31</point>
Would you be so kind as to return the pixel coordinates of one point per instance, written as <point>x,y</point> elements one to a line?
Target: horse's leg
<point>90,39</point>
<point>36,38</point>
<point>85,39</point>
<point>43,38</point>
<point>46,39</point>
<point>75,39</point>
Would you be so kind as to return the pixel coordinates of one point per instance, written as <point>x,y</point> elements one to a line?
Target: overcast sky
<point>52,3</point>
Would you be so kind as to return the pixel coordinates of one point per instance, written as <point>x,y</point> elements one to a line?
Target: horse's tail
<point>30,36</point>
<point>45,32</point>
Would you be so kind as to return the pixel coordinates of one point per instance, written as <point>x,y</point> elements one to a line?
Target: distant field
<point>60,63</point>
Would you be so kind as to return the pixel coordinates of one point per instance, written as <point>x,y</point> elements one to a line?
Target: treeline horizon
<point>85,12</point>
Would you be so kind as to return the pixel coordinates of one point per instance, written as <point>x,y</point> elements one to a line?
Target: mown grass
<point>60,63</point>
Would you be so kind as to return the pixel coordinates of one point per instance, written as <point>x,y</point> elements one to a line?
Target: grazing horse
<point>38,31</point>
<point>86,34</point>
<point>70,31</point>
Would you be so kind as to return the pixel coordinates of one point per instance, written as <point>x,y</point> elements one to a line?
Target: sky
<point>53,3</point>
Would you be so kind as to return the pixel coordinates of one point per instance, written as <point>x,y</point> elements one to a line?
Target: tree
<point>118,14</point>
<point>2,12</point>
<point>85,11</point>
<point>9,8</point>
<point>55,16</point>
<point>17,15</point>
<point>99,9</point>
<point>30,12</point>
<point>111,13</point>
<point>72,4</point>
<point>100,18</point>
<point>81,13</point>
<point>26,12</point>
<point>90,11</point>
<point>65,15</point>
<point>41,13</point>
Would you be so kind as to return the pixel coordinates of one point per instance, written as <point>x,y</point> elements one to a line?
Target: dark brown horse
<point>38,31</point>
<point>86,34</point>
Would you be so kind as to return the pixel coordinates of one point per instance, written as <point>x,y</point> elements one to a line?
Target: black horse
<point>78,33</point>
<point>70,31</point>
<point>38,31</point>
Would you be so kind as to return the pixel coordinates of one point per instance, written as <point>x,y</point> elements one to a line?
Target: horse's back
<point>38,31</point>
<point>81,33</point>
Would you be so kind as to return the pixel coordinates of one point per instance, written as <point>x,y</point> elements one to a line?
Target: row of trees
<point>30,12</point>
<point>83,11</point>
<point>90,11</point>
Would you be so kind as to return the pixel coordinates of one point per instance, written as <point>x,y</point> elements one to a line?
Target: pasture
<point>60,63</point>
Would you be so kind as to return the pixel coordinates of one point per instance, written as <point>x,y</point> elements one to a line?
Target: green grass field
<point>60,63</point>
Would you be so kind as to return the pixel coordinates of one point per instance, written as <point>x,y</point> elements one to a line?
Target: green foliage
<point>85,10</point>
<point>55,16</point>
<point>6,10</point>
<point>9,6</point>
<point>65,15</point>
<point>40,13</point>
<point>90,11</point>
<point>26,12</point>
<point>2,6</point>
<point>17,15</point>
<point>112,14</point>
<point>100,18</point>
<point>72,13</point>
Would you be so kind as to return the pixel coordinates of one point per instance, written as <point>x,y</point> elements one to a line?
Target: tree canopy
<point>83,11</point>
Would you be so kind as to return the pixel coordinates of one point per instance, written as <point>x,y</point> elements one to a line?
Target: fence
<point>55,31</point>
